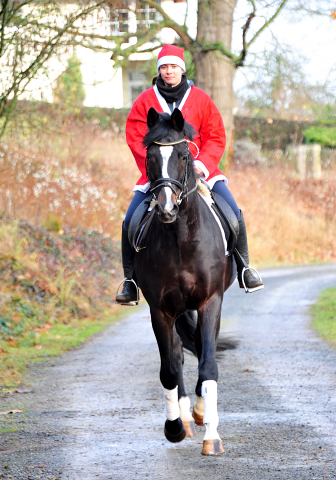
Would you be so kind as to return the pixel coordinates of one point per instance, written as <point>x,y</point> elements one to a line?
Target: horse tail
<point>186,325</point>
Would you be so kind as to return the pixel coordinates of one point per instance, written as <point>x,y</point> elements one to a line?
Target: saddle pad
<point>224,212</point>
<point>218,221</point>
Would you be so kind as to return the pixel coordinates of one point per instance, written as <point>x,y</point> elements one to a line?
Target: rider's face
<point>171,74</point>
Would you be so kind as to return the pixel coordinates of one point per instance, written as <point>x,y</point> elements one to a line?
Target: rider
<point>173,90</point>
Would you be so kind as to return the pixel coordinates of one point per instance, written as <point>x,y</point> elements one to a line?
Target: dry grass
<point>83,175</point>
<point>288,221</point>
<point>84,178</point>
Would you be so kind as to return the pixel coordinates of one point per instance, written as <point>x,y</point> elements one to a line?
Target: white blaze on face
<point>166,152</point>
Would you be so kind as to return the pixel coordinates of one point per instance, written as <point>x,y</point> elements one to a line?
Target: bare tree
<point>215,62</point>
<point>31,32</point>
<point>276,86</point>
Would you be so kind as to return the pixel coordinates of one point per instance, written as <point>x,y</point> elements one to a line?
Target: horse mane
<point>162,129</point>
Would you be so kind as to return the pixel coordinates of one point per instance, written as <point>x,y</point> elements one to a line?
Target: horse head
<point>169,165</point>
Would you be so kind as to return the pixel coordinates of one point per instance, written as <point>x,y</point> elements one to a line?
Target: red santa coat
<point>200,111</point>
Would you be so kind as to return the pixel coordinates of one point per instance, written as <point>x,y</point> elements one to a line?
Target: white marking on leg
<point>210,418</point>
<point>172,409</point>
<point>199,406</point>
<point>166,152</point>
<point>185,414</point>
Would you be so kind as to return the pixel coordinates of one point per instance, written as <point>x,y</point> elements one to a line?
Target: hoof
<point>198,419</point>
<point>190,428</point>
<point>212,447</point>
<point>174,430</point>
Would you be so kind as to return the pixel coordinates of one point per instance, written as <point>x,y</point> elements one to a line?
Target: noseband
<point>169,182</point>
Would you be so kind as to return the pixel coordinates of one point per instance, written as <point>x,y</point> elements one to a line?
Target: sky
<point>313,37</point>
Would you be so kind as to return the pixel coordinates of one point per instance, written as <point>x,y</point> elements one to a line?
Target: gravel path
<point>96,412</point>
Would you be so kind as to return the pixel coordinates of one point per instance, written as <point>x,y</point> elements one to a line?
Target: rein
<point>169,182</point>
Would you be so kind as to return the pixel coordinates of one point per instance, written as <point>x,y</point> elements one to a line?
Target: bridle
<point>171,182</point>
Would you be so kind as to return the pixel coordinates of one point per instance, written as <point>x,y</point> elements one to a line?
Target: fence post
<point>316,149</point>
<point>302,161</point>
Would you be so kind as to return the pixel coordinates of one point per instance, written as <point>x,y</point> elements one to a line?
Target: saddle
<point>143,216</point>
<point>140,223</point>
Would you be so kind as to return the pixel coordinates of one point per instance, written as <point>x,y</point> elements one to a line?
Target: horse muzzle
<point>167,214</point>
<point>167,204</point>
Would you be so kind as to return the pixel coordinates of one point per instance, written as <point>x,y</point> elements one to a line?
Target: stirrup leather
<point>250,290</point>
<point>129,304</point>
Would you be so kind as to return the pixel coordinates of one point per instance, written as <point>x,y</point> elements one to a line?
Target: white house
<point>106,86</point>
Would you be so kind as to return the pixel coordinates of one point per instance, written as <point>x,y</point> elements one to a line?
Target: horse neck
<point>189,208</point>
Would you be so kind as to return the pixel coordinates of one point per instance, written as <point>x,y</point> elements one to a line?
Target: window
<point>120,21</point>
<point>137,83</point>
<point>147,16</point>
<point>131,15</point>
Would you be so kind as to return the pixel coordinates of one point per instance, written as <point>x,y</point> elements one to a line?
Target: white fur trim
<point>162,101</point>
<point>184,404</point>
<point>172,409</point>
<point>201,166</point>
<point>142,188</point>
<point>164,104</point>
<point>184,99</point>
<point>215,179</point>
<point>171,60</point>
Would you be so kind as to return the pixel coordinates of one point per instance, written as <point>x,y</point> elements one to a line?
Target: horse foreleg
<point>183,399</point>
<point>209,318</point>
<point>163,327</point>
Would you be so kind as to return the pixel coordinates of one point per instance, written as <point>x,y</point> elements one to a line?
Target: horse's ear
<point>152,117</point>
<point>177,120</point>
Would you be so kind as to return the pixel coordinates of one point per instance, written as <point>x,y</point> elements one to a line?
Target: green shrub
<point>325,136</point>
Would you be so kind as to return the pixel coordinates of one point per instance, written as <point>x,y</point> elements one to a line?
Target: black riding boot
<point>245,272</point>
<point>129,294</point>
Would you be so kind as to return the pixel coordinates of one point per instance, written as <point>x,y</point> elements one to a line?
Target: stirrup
<point>133,303</point>
<point>250,290</point>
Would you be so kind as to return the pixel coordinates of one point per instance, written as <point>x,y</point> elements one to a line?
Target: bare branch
<point>181,30</point>
<point>246,45</point>
<point>268,22</point>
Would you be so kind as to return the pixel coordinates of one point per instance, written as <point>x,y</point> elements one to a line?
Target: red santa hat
<point>171,55</point>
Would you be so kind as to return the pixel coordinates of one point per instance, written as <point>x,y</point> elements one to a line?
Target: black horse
<point>183,269</point>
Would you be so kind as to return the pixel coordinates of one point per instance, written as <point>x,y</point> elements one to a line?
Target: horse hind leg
<point>198,411</point>
<point>186,417</point>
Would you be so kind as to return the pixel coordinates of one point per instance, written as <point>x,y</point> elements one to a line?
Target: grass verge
<point>57,289</point>
<point>324,315</point>
<point>47,341</point>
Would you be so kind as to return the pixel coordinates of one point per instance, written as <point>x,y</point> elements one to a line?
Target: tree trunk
<point>214,71</point>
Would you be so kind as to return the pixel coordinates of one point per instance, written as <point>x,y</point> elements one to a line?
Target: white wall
<point>103,84</point>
